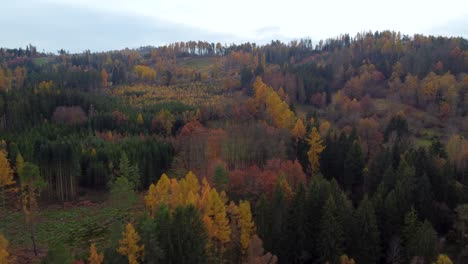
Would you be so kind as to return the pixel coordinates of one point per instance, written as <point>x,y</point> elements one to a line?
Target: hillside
<point>349,150</point>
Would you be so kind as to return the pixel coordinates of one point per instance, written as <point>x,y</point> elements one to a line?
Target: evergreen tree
<point>366,242</point>
<point>353,167</point>
<point>220,178</point>
<point>331,233</point>
<point>294,239</point>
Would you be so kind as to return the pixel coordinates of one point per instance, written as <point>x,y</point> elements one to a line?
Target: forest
<point>351,150</point>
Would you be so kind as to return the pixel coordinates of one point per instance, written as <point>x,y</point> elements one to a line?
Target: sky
<point>101,25</point>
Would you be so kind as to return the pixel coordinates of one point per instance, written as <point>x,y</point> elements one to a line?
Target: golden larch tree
<point>4,250</point>
<point>216,220</point>
<point>299,129</point>
<point>247,225</point>
<point>158,194</point>
<point>316,147</point>
<point>344,259</point>
<point>443,259</point>
<point>104,77</point>
<point>6,174</point>
<point>140,119</point>
<point>94,256</point>
<point>128,245</point>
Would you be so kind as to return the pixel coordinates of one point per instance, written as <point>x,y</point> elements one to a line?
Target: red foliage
<point>119,117</point>
<point>318,100</point>
<point>254,181</point>
<point>71,115</point>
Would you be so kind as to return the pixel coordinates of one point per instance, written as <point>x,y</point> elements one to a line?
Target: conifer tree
<point>128,245</point>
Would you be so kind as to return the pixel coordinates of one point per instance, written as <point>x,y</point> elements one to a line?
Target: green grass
<point>73,227</point>
<point>41,61</point>
<point>202,64</point>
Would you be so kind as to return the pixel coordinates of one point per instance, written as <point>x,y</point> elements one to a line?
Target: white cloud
<point>241,20</point>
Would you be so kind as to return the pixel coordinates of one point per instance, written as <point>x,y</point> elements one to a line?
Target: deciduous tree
<point>129,245</point>
<point>316,147</point>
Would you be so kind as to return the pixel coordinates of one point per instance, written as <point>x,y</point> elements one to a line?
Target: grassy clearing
<point>73,227</point>
<point>203,65</point>
<point>42,61</point>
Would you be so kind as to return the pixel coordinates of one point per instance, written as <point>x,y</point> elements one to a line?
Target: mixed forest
<point>351,150</point>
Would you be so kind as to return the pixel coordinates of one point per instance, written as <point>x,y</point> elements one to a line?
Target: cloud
<point>456,27</point>
<point>52,27</point>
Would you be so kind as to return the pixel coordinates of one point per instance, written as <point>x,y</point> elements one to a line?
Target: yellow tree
<point>316,147</point>
<point>2,80</point>
<point>128,245</point>
<point>158,194</point>
<point>140,119</point>
<point>204,195</point>
<point>344,259</point>
<point>3,250</point>
<point>216,221</point>
<point>94,256</point>
<point>247,225</point>
<point>443,259</point>
<point>299,129</point>
<point>6,174</point>
<point>104,77</point>
<point>189,188</point>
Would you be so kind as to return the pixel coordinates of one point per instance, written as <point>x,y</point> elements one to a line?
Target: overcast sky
<point>77,25</point>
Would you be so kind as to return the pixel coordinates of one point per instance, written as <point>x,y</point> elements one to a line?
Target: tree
<point>128,245</point>
<point>94,256</point>
<point>220,178</point>
<point>331,233</point>
<point>4,250</point>
<point>460,227</point>
<point>316,147</point>
<point>6,174</point>
<point>443,259</point>
<point>122,193</point>
<point>299,130</point>
<point>420,239</point>
<point>128,171</point>
<point>104,77</point>
<point>216,222</point>
<point>366,242</point>
<point>344,259</point>
<point>158,194</point>
<point>140,119</point>
<point>247,225</point>
<point>257,255</point>
<point>189,236</point>
<point>31,184</point>
<point>353,167</point>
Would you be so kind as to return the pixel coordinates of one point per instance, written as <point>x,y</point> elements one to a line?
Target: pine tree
<point>353,167</point>
<point>366,242</point>
<point>128,245</point>
<point>94,256</point>
<point>220,179</point>
<point>294,238</point>
<point>189,236</point>
<point>331,233</point>
<point>128,171</point>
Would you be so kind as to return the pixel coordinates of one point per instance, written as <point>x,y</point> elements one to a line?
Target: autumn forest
<point>350,150</point>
